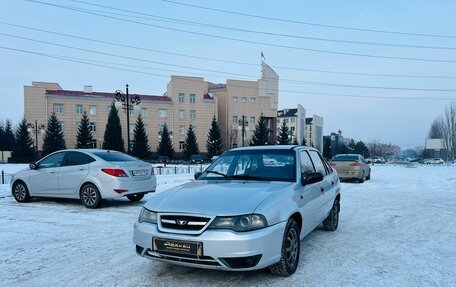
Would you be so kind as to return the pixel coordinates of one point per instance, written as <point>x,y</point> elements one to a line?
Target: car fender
<point>280,205</point>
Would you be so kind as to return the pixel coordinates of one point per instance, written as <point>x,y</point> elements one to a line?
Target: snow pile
<point>397,229</point>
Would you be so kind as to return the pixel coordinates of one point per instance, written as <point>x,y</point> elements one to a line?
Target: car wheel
<point>291,247</point>
<point>90,196</point>
<point>332,221</point>
<point>368,177</point>
<point>361,180</point>
<point>135,197</point>
<point>20,192</point>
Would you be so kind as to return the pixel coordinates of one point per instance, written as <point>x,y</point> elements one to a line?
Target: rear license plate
<point>138,172</point>
<point>177,246</point>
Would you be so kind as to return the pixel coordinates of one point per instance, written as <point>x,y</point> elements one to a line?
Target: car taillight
<point>152,172</point>
<point>332,164</point>
<point>355,164</point>
<point>115,172</point>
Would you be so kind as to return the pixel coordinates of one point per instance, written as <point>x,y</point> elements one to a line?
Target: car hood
<point>214,197</point>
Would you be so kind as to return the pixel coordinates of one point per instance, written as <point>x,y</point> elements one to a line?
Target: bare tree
<point>437,129</point>
<point>449,135</point>
<point>377,148</point>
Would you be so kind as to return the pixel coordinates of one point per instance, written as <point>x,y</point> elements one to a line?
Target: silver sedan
<point>248,210</point>
<point>90,175</point>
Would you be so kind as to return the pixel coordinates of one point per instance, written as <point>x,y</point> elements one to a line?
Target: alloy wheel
<point>20,192</point>
<point>292,247</point>
<point>89,195</point>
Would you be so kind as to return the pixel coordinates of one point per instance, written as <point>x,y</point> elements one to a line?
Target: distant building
<point>336,144</point>
<point>314,132</point>
<point>295,119</point>
<point>435,148</point>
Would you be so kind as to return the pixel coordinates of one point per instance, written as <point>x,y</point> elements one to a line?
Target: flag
<point>262,56</point>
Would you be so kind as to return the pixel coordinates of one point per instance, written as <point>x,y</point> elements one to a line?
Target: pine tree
<point>7,137</point>
<point>190,145</point>
<point>214,139</point>
<point>303,142</point>
<point>23,148</point>
<point>141,148</point>
<point>53,137</point>
<point>282,137</point>
<point>112,139</point>
<point>2,139</point>
<point>84,138</point>
<point>165,145</point>
<point>261,134</point>
<point>295,141</point>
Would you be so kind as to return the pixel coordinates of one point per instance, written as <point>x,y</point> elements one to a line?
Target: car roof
<point>275,147</point>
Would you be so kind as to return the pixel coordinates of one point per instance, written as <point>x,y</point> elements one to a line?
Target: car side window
<point>328,168</point>
<point>76,158</point>
<point>54,160</point>
<point>319,166</point>
<point>306,163</point>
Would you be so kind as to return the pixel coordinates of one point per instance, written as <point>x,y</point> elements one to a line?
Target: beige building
<point>295,119</point>
<point>188,100</point>
<point>314,132</point>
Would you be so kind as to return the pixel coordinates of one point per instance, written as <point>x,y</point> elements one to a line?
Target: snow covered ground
<point>398,229</point>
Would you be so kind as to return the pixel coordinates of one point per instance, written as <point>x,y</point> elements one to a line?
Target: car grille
<point>181,222</point>
<point>202,260</point>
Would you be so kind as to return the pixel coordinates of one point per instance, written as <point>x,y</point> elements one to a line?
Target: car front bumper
<point>220,247</point>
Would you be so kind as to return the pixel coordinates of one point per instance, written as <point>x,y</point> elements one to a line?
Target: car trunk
<point>136,170</point>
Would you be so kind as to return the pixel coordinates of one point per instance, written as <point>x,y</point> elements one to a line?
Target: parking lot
<point>398,229</point>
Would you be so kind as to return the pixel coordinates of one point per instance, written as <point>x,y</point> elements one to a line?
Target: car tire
<point>331,222</point>
<point>135,197</point>
<point>361,180</point>
<point>368,177</point>
<point>20,192</point>
<point>291,247</point>
<point>90,196</point>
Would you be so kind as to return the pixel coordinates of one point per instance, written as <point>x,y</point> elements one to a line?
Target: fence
<point>5,178</point>
<point>178,169</point>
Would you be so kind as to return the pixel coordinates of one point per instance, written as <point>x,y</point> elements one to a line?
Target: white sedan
<point>90,175</point>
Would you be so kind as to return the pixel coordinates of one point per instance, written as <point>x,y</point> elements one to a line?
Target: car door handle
<point>332,182</point>
<point>81,169</point>
<point>52,171</point>
<point>322,189</point>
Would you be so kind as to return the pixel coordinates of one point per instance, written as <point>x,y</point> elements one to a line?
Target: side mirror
<point>310,178</point>
<point>33,165</point>
<point>197,174</point>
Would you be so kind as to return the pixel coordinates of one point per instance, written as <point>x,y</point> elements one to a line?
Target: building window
<point>79,109</point>
<point>252,100</point>
<point>93,126</point>
<point>244,99</point>
<point>182,130</point>
<point>192,114</point>
<point>92,110</point>
<point>252,120</point>
<point>144,112</point>
<point>235,120</point>
<point>57,108</point>
<point>292,129</point>
<point>192,98</point>
<point>181,97</point>
<point>181,145</point>
<point>292,120</point>
<point>235,99</point>
<point>162,113</point>
<point>181,114</point>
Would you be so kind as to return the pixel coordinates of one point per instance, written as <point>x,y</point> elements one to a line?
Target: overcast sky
<point>368,116</point>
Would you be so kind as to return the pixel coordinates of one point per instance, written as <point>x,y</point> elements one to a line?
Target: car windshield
<point>114,156</point>
<point>263,165</point>
<point>345,158</point>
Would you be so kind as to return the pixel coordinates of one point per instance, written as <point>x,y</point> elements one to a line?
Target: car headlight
<point>240,223</point>
<point>147,216</point>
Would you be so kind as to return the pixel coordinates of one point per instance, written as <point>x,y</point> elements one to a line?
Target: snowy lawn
<point>398,229</point>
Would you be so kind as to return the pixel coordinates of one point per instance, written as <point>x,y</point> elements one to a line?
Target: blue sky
<point>401,121</point>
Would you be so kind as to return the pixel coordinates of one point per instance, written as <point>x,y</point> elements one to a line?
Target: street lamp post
<point>35,128</point>
<point>128,104</point>
<point>243,126</point>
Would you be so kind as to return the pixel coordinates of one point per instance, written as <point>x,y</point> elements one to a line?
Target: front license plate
<point>177,246</point>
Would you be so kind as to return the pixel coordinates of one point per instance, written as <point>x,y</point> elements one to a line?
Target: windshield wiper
<point>249,177</point>
<point>218,173</point>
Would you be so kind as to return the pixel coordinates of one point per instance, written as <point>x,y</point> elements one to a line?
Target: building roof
<point>69,93</point>
<point>287,113</point>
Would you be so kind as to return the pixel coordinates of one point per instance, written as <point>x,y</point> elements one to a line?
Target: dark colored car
<point>163,159</point>
<point>196,159</point>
